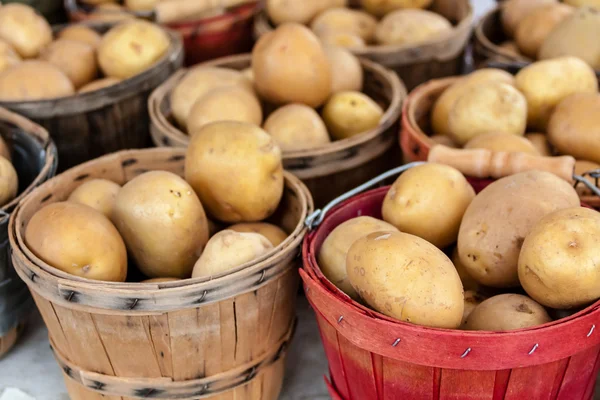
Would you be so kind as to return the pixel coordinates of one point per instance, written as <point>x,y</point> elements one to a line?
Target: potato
<point>410,27</point>
<point>346,40</point>
<point>163,223</point>
<point>345,20</point>
<point>506,312</point>
<point>100,194</point>
<point>297,127</point>
<point>334,250</point>
<point>78,240</point>
<point>131,48</point>
<point>141,5</point>
<point>502,142</point>
<point>34,80</point>
<point>406,277</point>
<point>547,83</point>
<point>467,280</point>
<point>229,103</point>
<point>248,74</point>
<point>500,217</point>
<point>8,56</point>
<point>273,233</point>
<point>380,8</point>
<point>198,82</point>
<point>350,113</point>
<point>487,108</point>
<point>348,71</point>
<point>581,167</point>
<point>9,181</point>
<point>535,27</point>
<point>25,30</point>
<point>229,249</point>
<point>472,300</point>
<point>582,3</point>
<point>510,47</point>
<point>302,12</point>
<point>160,280</point>
<point>96,2</point>
<point>236,170</point>
<point>76,59</point>
<point>443,140</point>
<point>513,11</point>
<point>81,33</point>
<point>5,149</point>
<point>110,12</point>
<point>98,84</point>
<point>412,204</point>
<point>541,143</point>
<point>290,66</point>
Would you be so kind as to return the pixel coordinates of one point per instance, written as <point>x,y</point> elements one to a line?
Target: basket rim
<point>488,45</point>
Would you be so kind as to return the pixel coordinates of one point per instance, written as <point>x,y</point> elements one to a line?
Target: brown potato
<point>346,40</point>
<point>78,240</point>
<point>24,29</point>
<point>581,167</point>
<point>345,20</point>
<point>513,11</point>
<point>506,312</point>
<point>98,84</point>
<point>541,143</point>
<point>163,223</point>
<point>411,27</point>
<point>467,280</point>
<point>297,127</point>
<point>412,204</point>
<point>76,59</point>
<point>100,194</point>
<point>81,33</point>
<point>348,73</point>
<point>9,181</point>
<point>472,300</point>
<point>8,56</point>
<point>160,280</point>
<point>502,142</point>
<point>535,27</point>
<point>380,8</point>
<point>273,233</point>
<point>34,80</point>
<point>351,113</point>
<point>236,170</point>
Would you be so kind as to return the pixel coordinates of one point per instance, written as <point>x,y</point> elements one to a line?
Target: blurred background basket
<point>52,10</point>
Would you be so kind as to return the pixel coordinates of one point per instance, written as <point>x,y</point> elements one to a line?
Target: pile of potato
<point>545,29</point>
<point>233,173</point>
<point>35,66</point>
<point>445,257</point>
<point>378,22</point>
<point>292,73</point>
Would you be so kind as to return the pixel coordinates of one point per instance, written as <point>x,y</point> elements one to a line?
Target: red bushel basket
<point>372,356</point>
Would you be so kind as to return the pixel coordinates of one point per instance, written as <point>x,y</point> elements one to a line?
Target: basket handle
<point>176,10</point>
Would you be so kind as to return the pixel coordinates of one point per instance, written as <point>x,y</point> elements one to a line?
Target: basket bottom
<point>8,341</point>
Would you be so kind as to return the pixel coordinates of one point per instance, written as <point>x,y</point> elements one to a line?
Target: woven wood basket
<point>328,170</point>
<point>437,58</point>
<point>219,338</point>
<point>88,125</point>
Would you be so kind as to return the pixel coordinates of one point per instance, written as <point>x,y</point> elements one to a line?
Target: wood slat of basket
<point>8,340</point>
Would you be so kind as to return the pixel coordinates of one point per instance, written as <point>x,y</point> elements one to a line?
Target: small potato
<point>333,252</point>
<point>5,149</point>
<point>81,33</point>
<point>163,223</point>
<point>100,194</point>
<point>412,204</point>
<point>581,167</point>
<point>302,12</point>
<point>410,27</point>
<point>406,277</point>
<point>110,12</point>
<point>229,249</point>
<point>34,80</point>
<point>350,113</point>
<point>502,142</point>
<point>444,140</point>
<point>8,56</point>
<point>141,5</point>
<point>535,27</point>
<point>506,312</point>
<point>379,8</point>
<point>345,20</point>
<point>229,103</point>
<point>76,59</point>
<point>513,11</point>
<point>467,280</point>
<point>472,300</point>
<point>345,40</point>
<point>348,73</point>
<point>98,84</point>
<point>236,170</point>
<point>78,240</point>
<point>486,108</point>
<point>546,83</point>
<point>9,181</point>
<point>541,143</point>
<point>24,29</point>
<point>559,264</point>
<point>297,127</point>
<point>160,280</point>
<point>131,48</point>
<point>273,233</point>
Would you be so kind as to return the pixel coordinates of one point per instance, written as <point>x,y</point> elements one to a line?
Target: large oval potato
<point>546,83</point>
<point>406,277</point>
<point>559,264</point>
<point>237,171</point>
<point>81,33</point>
<point>535,27</point>
<point>345,20</point>
<point>334,250</point>
<point>273,233</point>
<point>98,84</point>
<point>513,11</point>
<point>163,223</point>
<point>413,203</point>
<point>9,181</point>
<point>410,27</point>
<point>297,127</point>
<point>502,142</point>
<point>348,73</point>
<point>24,29</point>
<point>380,8</point>
<point>100,194</point>
<point>76,59</point>
<point>34,80</point>
<point>350,113</point>
<point>78,240</point>
<point>500,217</point>
<point>541,143</point>
<point>506,312</point>
<point>8,56</point>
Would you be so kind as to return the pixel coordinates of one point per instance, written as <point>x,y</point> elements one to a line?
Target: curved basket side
<point>8,340</point>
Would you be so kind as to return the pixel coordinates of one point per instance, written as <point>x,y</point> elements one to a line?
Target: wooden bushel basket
<point>34,158</point>
<point>328,170</point>
<point>372,356</point>
<point>416,64</point>
<point>219,338</point>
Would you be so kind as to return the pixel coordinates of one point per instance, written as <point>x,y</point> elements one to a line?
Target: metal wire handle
<point>592,174</point>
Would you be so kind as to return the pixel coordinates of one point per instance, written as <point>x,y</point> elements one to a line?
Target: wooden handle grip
<point>178,10</point>
<point>481,163</point>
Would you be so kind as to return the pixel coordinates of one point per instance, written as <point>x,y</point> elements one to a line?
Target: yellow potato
<point>348,73</point>
<point>163,223</point>
<point>78,240</point>
<point>410,27</point>
<point>535,27</point>
<point>228,250</point>
<point>405,277</point>
<point>541,143</point>
<point>273,233</point>
<point>334,250</point>
<point>8,56</point>
<point>467,280</point>
<point>472,300</point>
<point>581,167</point>
<point>110,12</point>
<point>582,3</point>
<point>346,40</point>
<point>141,5</point>
<point>412,204</point>
<point>100,194</point>
<point>302,12</point>
<point>345,20</point>
<point>5,149</point>
<point>444,140</point>
<point>380,8</point>
<point>236,170</point>
<point>131,48</point>
<point>350,113</point>
<point>9,181</point>
<point>98,84</point>
<point>76,59</point>
<point>500,217</point>
<point>546,83</point>
<point>160,280</point>
<point>25,30</point>
<point>34,80</point>
<point>513,11</point>
<point>229,103</point>
<point>81,33</point>
<point>506,312</point>
<point>296,127</point>
<point>248,74</point>
<point>502,142</point>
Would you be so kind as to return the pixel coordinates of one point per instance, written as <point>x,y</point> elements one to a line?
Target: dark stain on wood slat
<point>128,162</point>
<point>95,385</point>
<point>176,158</point>
<point>68,371</point>
<point>72,296</point>
<point>48,197</point>
<point>82,177</point>
<point>148,393</point>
